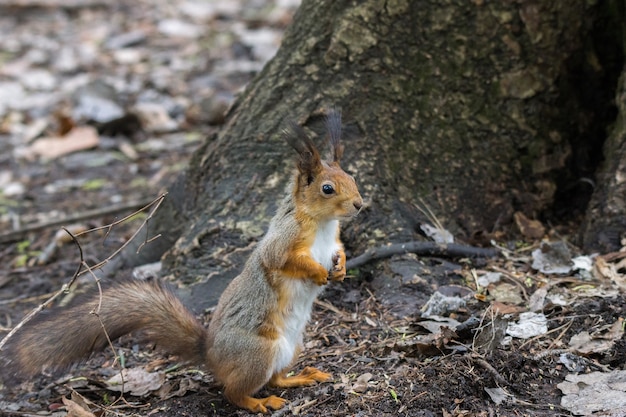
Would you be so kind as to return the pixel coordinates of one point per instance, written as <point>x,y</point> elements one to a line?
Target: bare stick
<point>489,368</point>
<point>89,214</point>
<point>156,202</point>
<point>96,312</point>
<point>452,250</point>
<point>109,226</point>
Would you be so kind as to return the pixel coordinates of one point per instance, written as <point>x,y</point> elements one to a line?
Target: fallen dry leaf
<point>361,383</point>
<point>75,410</point>
<point>435,323</point>
<point>184,385</point>
<point>532,229</point>
<point>600,341</point>
<point>538,299</point>
<point>584,394</point>
<point>500,395</point>
<point>552,258</point>
<point>506,293</point>
<point>529,325</point>
<point>503,308</point>
<point>136,381</point>
<point>78,139</point>
<point>610,271</point>
<point>429,344</point>
<point>437,234</point>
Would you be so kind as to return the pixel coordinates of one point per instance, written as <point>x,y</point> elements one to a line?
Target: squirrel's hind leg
<point>308,376</point>
<point>240,383</point>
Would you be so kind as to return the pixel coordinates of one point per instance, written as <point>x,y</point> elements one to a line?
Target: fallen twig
<point>489,368</point>
<point>506,274</point>
<point>89,214</point>
<point>452,250</point>
<point>156,203</point>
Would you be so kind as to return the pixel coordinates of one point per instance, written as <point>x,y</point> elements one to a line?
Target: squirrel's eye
<point>327,189</point>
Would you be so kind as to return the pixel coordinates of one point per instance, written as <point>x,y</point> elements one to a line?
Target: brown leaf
<point>506,293</point>
<point>585,343</point>
<point>77,139</point>
<point>610,271</point>
<point>502,308</point>
<point>532,229</point>
<point>361,383</point>
<point>75,410</point>
<point>80,400</point>
<point>136,381</point>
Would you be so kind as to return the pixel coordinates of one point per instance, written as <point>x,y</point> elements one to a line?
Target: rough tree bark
<point>605,222</point>
<point>477,109</point>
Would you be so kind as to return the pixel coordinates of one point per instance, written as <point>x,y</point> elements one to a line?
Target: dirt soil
<point>412,336</point>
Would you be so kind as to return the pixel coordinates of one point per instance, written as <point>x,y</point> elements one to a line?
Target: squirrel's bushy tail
<point>56,338</point>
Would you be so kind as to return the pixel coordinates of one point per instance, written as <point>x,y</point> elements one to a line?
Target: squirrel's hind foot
<point>308,376</point>
<point>258,405</point>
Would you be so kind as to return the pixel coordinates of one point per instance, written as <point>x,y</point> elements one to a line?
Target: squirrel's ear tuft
<point>309,163</point>
<point>333,125</point>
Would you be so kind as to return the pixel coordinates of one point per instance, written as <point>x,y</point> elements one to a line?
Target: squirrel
<point>255,332</point>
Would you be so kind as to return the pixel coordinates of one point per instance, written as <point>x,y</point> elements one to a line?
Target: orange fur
<point>308,376</point>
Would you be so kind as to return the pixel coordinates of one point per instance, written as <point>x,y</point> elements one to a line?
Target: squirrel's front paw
<point>320,277</point>
<point>338,275</point>
<point>320,281</point>
<point>338,272</point>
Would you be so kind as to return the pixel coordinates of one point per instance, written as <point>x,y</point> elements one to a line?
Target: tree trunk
<point>472,109</point>
<point>605,224</point>
<point>604,228</point>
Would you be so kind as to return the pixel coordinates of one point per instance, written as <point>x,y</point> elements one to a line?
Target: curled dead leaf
<point>76,410</point>
<point>605,269</point>
<point>600,341</point>
<point>77,139</point>
<point>361,383</point>
<point>136,381</point>
<point>532,229</point>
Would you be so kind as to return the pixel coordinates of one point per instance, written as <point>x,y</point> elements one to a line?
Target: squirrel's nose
<point>358,204</point>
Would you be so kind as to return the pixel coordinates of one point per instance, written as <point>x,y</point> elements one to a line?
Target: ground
<point>133,89</point>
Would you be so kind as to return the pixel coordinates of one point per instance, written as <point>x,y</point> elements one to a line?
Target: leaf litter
<point>520,362</point>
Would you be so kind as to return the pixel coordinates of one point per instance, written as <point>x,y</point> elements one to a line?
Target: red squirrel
<point>255,333</point>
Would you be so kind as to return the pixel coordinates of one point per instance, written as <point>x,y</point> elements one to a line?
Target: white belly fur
<point>302,295</point>
<point>325,244</point>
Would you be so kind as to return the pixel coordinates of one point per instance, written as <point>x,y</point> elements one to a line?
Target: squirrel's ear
<point>309,163</point>
<point>333,125</point>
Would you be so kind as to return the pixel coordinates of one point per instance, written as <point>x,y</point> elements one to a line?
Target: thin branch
<point>145,206</point>
<point>96,312</point>
<point>451,250</point>
<point>489,368</point>
<point>89,214</point>
<point>533,339</point>
<point>156,202</point>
